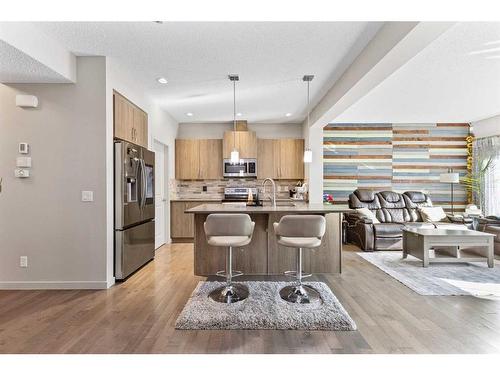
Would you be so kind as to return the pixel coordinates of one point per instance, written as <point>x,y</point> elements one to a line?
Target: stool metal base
<point>300,294</point>
<point>229,294</point>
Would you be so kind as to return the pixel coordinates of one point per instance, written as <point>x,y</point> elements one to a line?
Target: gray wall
<point>212,130</point>
<point>42,217</point>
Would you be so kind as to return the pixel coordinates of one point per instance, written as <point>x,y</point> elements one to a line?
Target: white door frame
<point>166,206</point>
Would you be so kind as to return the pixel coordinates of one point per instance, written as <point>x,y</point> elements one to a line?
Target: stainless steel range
<point>239,194</point>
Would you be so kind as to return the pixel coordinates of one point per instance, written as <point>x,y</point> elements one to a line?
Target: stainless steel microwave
<point>245,168</point>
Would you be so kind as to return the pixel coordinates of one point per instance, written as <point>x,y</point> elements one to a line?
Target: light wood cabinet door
<point>181,223</point>
<point>130,122</point>
<point>123,114</point>
<point>267,166</point>
<point>247,144</point>
<point>291,159</point>
<point>187,159</point>
<point>228,143</point>
<point>210,151</point>
<point>140,127</point>
<point>244,141</point>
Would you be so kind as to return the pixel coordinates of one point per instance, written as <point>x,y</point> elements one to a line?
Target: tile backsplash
<point>193,189</point>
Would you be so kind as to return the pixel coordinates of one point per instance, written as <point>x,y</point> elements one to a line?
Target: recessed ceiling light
<point>162,80</point>
<point>288,114</point>
<point>189,114</point>
<point>239,114</point>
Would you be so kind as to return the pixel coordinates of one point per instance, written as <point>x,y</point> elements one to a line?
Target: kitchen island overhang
<point>263,255</point>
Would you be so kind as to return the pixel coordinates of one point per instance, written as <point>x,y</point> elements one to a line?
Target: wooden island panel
<point>263,256</point>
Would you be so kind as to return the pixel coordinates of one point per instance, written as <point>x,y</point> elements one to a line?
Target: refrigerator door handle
<point>144,183</point>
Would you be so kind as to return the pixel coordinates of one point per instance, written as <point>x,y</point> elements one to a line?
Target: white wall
<point>161,126</point>
<point>313,137</point>
<point>42,217</point>
<point>486,127</point>
<point>212,130</point>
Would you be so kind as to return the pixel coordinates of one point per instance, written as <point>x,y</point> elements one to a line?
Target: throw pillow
<point>431,214</point>
<point>367,214</point>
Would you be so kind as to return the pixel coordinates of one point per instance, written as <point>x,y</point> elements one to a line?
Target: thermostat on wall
<point>24,148</point>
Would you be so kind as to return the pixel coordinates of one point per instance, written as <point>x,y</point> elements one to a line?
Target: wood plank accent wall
<point>399,157</point>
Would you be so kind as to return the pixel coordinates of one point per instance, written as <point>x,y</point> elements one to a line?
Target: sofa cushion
<point>416,196</point>
<point>419,225</point>
<point>495,231</point>
<point>432,214</point>
<point>388,229</point>
<point>414,200</point>
<point>364,198</point>
<point>367,214</point>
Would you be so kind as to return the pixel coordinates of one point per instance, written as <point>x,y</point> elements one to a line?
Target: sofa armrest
<point>459,219</point>
<point>354,218</point>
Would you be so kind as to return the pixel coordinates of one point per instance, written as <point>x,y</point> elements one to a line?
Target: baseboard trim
<point>23,285</point>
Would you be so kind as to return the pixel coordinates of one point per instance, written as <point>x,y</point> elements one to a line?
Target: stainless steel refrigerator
<point>134,208</point>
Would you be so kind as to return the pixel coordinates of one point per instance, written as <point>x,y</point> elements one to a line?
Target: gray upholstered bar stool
<point>229,230</point>
<point>300,231</point>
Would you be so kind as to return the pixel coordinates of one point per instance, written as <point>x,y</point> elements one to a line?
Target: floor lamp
<point>450,178</point>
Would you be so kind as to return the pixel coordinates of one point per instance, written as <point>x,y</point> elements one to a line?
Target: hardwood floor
<point>138,316</point>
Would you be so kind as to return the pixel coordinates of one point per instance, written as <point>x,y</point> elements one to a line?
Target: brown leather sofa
<point>394,211</point>
<point>491,224</point>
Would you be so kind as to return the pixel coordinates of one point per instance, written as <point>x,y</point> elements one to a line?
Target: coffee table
<point>448,245</point>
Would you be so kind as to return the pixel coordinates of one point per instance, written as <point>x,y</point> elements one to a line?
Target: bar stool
<point>300,231</point>
<point>229,230</point>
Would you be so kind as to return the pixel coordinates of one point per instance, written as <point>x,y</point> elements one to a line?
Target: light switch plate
<point>87,196</point>
<point>21,173</point>
<point>23,162</point>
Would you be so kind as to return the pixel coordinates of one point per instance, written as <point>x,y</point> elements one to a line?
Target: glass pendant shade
<point>235,157</point>
<point>308,156</point>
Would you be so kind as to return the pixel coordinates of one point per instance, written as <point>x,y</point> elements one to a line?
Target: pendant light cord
<point>234,115</point>
<point>308,82</point>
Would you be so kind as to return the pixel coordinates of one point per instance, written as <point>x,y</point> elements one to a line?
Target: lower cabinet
<point>181,223</point>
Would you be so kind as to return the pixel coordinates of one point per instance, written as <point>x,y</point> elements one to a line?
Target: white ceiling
<point>18,67</point>
<point>443,83</point>
<point>195,57</point>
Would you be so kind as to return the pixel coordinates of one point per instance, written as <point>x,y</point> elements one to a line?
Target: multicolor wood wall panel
<point>399,157</point>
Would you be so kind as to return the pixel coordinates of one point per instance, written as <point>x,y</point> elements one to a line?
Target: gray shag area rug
<point>263,309</point>
<point>439,279</point>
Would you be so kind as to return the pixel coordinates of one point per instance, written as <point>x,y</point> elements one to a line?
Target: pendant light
<point>235,155</point>
<point>308,152</point>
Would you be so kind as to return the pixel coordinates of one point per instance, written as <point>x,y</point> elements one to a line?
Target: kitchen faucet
<point>273,196</point>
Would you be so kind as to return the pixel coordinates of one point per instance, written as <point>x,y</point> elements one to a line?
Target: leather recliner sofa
<point>394,211</point>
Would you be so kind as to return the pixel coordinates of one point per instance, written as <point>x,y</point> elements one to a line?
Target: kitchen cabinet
<point>130,122</point>
<point>280,159</point>
<point>244,141</point>
<point>210,159</point>
<point>198,159</point>
<point>291,159</point>
<point>182,224</point>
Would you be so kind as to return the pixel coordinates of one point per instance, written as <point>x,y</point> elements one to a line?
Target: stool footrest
<point>294,273</point>
<point>224,274</point>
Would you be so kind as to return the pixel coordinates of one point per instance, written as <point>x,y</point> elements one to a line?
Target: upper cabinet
<point>244,141</point>
<point>280,159</point>
<point>198,159</point>
<point>130,122</point>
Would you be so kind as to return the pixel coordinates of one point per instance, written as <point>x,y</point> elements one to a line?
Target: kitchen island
<point>263,256</point>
